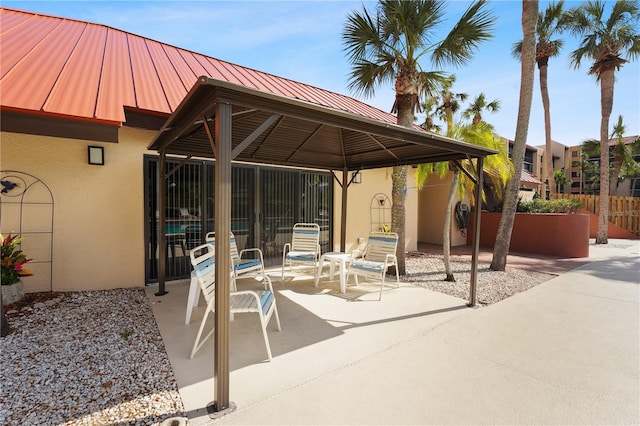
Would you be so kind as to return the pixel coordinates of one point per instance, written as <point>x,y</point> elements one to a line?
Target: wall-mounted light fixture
<point>96,155</point>
<point>356,177</point>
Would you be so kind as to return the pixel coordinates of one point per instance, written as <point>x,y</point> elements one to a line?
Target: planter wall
<point>12,293</point>
<point>563,235</point>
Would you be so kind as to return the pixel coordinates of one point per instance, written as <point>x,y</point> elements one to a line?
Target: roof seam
<point>104,53</point>
<point>66,64</point>
<point>133,79</point>
<point>155,67</point>
<point>162,46</point>
<point>30,52</point>
<point>4,34</point>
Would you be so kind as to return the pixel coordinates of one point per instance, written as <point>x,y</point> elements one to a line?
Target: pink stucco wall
<point>564,235</point>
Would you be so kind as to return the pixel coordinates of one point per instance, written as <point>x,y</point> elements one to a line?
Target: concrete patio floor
<point>565,351</point>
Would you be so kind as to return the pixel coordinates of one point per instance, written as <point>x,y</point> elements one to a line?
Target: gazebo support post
<point>222,217</point>
<point>476,235</point>
<point>343,212</point>
<point>162,221</point>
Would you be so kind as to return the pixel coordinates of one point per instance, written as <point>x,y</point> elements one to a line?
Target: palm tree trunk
<point>606,104</point>
<point>503,237</point>
<point>399,183</point>
<point>613,184</point>
<point>446,232</point>
<point>547,166</point>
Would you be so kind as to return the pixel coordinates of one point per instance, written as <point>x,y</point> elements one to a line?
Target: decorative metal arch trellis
<point>27,208</point>
<point>380,213</point>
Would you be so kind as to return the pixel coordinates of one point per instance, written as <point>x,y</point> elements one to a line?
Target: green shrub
<point>538,205</point>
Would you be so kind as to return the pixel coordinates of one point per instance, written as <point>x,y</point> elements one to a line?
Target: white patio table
<point>334,257</point>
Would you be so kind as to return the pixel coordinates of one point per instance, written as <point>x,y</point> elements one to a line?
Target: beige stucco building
<point>92,236</point>
<point>91,226</point>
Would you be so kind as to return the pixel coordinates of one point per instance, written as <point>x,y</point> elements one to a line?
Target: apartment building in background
<point>581,172</point>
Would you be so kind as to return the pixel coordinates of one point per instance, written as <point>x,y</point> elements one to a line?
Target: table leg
<point>319,270</point>
<point>332,268</point>
<point>343,283</point>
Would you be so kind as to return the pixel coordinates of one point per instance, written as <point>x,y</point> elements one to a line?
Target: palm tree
<point>606,41</point>
<point>631,170</point>
<point>443,105</point>
<point>560,178</point>
<point>447,104</point>
<point>623,153</point>
<point>550,23</point>
<point>387,48</point>
<point>623,156</point>
<point>450,102</point>
<point>430,109</point>
<point>478,105</point>
<point>503,236</point>
<point>497,167</point>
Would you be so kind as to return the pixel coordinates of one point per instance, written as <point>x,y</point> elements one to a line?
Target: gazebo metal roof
<point>278,130</point>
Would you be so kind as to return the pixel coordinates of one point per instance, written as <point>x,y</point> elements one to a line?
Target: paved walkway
<point>526,261</point>
<point>564,352</point>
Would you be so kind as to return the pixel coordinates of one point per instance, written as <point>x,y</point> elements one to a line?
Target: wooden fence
<point>623,211</point>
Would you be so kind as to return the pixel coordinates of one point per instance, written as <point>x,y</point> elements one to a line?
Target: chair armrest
<point>356,253</point>
<point>249,250</point>
<point>240,292</point>
<point>284,249</point>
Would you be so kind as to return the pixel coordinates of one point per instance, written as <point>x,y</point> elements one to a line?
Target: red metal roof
<point>525,176</point>
<point>90,71</point>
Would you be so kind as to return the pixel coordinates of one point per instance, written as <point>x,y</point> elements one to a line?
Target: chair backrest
<point>192,236</point>
<point>305,237</point>
<point>204,265</point>
<point>379,245</point>
<point>235,256</point>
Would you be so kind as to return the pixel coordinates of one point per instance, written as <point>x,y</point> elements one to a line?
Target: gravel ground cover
<point>85,358</point>
<point>427,270</point>
<point>97,358</point>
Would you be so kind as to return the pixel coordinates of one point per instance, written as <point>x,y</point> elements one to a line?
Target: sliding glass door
<point>266,202</point>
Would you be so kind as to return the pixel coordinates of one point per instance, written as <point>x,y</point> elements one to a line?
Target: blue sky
<point>301,40</point>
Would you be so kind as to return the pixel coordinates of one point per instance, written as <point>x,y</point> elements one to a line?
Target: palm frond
<point>458,47</point>
<point>590,147</point>
<point>366,76</point>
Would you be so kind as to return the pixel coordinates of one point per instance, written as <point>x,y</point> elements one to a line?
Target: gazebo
<point>230,122</point>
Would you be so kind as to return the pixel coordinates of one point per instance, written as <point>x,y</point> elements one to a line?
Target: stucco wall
<point>98,210</point>
<point>359,208</point>
<point>432,201</point>
<point>98,219</point>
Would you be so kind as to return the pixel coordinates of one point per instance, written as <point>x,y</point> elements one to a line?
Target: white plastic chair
<point>193,299</point>
<point>377,256</point>
<point>261,302</point>
<point>245,265</point>
<point>304,248</point>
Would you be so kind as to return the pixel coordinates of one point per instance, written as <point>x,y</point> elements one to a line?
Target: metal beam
<point>222,217</point>
<point>343,213</point>
<point>257,132</point>
<point>465,171</point>
<point>162,238</point>
<point>476,235</point>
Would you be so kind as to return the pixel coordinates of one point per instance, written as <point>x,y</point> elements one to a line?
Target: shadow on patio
<point>322,331</point>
